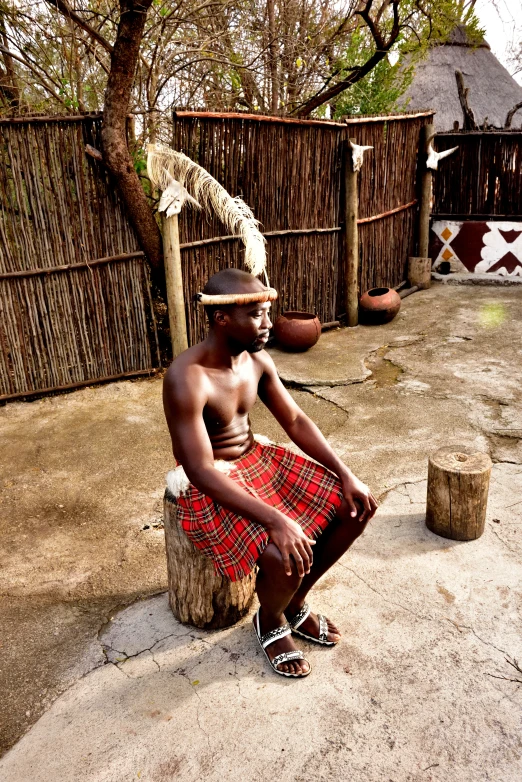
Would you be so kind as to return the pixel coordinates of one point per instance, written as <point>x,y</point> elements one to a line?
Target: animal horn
<point>434,157</point>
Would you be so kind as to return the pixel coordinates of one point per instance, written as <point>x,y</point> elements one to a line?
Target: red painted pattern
<point>300,488</point>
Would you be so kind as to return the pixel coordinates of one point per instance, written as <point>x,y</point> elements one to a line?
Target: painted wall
<point>493,247</point>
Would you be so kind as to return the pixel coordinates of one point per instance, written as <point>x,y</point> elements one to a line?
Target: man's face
<point>248,326</point>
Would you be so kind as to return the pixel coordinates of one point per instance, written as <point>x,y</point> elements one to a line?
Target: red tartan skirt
<point>300,488</point>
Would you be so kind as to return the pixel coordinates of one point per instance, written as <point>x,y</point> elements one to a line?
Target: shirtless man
<point>264,505</point>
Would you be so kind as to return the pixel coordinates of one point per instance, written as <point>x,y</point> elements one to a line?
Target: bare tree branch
<point>511,114</point>
<point>37,73</point>
<point>66,10</point>
<point>382,48</point>
<point>470,122</point>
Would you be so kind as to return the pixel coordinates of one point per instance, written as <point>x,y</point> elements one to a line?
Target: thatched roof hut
<point>492,90</point>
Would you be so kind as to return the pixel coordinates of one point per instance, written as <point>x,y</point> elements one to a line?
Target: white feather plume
<point>164,163</point>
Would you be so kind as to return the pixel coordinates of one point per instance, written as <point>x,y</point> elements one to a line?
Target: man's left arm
<point>308,437</point>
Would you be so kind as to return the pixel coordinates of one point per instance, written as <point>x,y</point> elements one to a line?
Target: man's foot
<point>284,645</point>
<point>314,627</point>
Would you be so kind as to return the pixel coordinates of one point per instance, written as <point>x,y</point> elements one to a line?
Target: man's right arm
<point>184,400</point>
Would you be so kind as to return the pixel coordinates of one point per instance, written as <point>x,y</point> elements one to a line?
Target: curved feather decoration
<point>164,163</point>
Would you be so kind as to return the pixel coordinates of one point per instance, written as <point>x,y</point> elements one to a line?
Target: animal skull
<point>358,155</point>
<point>174,196</point>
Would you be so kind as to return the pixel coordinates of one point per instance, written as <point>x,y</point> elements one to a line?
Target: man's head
<point>245,326</point>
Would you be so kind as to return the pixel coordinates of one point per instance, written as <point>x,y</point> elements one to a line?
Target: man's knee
<point>344,515</point>
<point>271,565</point>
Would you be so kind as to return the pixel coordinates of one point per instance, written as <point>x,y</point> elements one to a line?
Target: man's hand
<point>356,493</point>
<point>293,543</point>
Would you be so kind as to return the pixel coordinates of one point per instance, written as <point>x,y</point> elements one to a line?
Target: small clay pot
<point>379,305</point>
<point>297,331</point>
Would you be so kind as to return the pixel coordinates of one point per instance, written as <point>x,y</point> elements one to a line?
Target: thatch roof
<point>492,90</point>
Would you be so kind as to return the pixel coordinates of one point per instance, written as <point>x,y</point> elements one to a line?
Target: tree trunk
<point>458,483</point>
<point>197,595</point>
<point>9,87</point>
<point>115,151</point>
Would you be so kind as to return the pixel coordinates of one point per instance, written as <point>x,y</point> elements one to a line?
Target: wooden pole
<point>458,483</point>
<point>351,240</point>
<point>174,279</point>
<point>419,272</point>
<point>425,199</point>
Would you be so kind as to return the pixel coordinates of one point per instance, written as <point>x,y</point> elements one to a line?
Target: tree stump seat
<point>458,484</point>
<point>197,595</point>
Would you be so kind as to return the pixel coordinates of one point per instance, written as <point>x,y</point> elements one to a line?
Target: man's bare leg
<point>337,538</point>
<point>275,590</point>
<point>279,593</point>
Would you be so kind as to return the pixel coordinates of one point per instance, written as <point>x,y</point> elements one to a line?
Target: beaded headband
<point>269,294</point>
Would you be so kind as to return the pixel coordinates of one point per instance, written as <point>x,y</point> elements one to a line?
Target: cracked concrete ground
<point>410,694</point>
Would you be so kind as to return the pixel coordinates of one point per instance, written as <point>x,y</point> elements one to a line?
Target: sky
<point>502,20</point>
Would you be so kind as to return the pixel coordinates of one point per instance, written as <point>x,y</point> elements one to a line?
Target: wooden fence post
<point>351,239</point>
<point>425,199</point>
<point>174,280</point>
<point>419,272</point>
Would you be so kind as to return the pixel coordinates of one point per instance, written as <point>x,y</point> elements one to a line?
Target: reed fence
<point>482,179</point>
<point>291,173</point>
<point>75,302</point>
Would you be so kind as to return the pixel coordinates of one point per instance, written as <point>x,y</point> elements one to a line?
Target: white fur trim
<point>262,440</point>
<point>223,466</point>
<point>178,483</point>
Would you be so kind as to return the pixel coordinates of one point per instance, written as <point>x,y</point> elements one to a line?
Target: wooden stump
<point>458,483</point>
<point>419,272</point>
<point>197,595</point>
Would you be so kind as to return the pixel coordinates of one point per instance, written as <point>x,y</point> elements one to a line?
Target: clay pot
<point>379,305</point>
<point>297,330</point>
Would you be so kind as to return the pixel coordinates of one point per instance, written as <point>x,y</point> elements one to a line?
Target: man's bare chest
<point>230,395</point>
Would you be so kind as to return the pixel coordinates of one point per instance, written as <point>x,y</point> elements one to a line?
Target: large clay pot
<point>297,330</point>
<point>379,305</point>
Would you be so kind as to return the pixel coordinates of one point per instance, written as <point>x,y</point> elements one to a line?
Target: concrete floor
<point>410,694</point>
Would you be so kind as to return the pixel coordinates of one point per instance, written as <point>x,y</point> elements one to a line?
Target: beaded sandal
<point>286,657</point>
<point>298,620</point>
